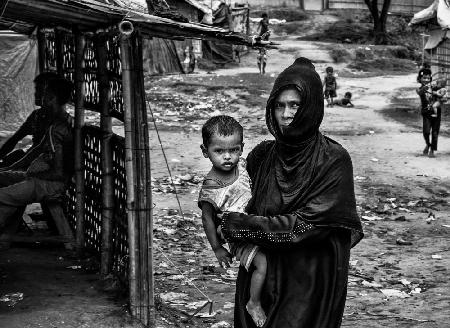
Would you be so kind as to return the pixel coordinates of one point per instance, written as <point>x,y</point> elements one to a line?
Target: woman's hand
<point>223,256</point>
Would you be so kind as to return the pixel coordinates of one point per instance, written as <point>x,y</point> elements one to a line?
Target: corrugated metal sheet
<point>397,6</point>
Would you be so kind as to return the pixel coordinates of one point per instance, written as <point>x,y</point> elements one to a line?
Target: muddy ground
<point>399,271</point>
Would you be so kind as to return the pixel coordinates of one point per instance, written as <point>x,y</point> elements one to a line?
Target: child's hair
<point>348,94</point>
<point>422,72</point>
<point>264,15</point>
<point>222,125</point>
<point>329,69</point>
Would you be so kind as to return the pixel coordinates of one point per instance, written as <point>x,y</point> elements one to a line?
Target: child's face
<point>224,151</point>
<point>348,97</point>
<point>329,73</point>
<point>425,79</point>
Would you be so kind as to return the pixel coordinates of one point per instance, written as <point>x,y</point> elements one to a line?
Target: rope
<point>182,215</point>
<point>165,159</point>
<point>181,273</point>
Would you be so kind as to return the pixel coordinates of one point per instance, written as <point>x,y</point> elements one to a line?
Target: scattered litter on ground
<point>221,324</point>
<point>401,241</point>
<point>394,293</point>
<point>12,298</point>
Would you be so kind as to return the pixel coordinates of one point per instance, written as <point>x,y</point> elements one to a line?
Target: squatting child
<point>227,188</point>
<point>330,86</point>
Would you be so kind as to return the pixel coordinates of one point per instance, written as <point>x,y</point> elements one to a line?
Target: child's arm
<point>223,256</point>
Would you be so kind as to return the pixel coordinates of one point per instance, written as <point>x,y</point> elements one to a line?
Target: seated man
<point>44,171</point>
<point>36,124</point>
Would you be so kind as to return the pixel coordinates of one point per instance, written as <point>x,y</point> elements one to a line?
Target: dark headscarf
<point>303,171</point>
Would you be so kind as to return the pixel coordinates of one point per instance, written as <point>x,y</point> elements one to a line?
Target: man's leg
<point>15,196</point>
<point>8,178</point>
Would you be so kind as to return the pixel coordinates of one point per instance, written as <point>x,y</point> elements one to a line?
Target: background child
<point>346,101</point>
<point>227,188</point>
<point>330,85</point>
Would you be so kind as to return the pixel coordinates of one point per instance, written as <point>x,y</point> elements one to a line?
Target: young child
<point>227,188</point>
<point>346,101</point>
<point>425,66</point>
<point>438,96</point>
<point>330,85</point>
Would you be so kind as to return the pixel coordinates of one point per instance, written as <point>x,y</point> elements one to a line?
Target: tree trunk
<point>301,4</point>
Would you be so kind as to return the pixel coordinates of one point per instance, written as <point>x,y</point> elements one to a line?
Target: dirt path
<point>391,284</point>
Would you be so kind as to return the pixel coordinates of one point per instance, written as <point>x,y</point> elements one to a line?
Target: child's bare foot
<point>257,313</point>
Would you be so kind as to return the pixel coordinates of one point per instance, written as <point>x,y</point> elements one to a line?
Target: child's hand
<point>224,257</point>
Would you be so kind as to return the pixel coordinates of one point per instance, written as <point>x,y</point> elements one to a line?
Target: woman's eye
<point>278,106</point>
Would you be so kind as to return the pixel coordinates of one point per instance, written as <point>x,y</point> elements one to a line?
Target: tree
<point>156,6</point>
<point>379,19</point>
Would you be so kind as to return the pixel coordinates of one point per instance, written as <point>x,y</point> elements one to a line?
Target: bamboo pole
<point>59,51</point>
<point>41,50</point>
<point>106,156</point>
<point>137,162</point>
<point>78,139</point>
<point>129,167</point>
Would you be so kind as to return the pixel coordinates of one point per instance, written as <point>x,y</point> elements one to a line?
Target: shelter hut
<point>99,47</point>
<point>433,23</point>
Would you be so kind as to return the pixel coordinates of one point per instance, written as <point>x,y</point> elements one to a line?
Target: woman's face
<point>286,106</point>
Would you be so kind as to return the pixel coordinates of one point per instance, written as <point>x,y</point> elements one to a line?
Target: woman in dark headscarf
<point>303,210</point>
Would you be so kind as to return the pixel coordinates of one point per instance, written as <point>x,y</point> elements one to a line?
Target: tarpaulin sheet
<point>18,68</point>
<point>216,52</point>
<point>163,56</point>
<point>436,37</point>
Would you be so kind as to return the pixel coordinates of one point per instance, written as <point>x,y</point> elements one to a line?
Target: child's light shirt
<point>232,197</point>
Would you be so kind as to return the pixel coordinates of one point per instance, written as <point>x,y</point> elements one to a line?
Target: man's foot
<point>426,149</point>
<point>431,153</point>
<point>257,313</point>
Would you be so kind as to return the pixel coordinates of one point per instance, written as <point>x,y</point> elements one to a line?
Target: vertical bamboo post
<point>137,162</point>
<point>59,51</point>
<point>78,138</point>
<point>106,156</point>
<point>41,50</point>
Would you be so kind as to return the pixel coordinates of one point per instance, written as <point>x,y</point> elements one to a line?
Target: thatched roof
<point>88,15</point>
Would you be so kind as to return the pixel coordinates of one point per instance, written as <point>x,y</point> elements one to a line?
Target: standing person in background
<point>330,86</point>
<point>263,27</point>
<point>263,33</point>
<point>431,120</point>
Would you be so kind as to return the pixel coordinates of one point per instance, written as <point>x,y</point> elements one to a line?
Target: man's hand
<point>224,257</point>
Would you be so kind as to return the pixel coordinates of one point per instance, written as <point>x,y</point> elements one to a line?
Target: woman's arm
<point>279,231</point>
